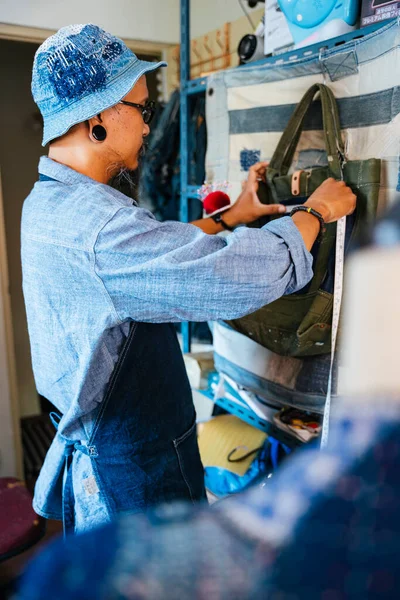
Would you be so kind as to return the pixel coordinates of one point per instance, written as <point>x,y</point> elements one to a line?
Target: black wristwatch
<point>312,212</point>
<point>218,219</point>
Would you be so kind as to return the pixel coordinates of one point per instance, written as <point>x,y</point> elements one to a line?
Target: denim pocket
<point>191,468</point>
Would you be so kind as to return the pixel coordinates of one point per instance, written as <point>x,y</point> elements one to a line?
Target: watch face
<point>217,212</point>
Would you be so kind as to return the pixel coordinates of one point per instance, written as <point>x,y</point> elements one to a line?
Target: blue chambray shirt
<point>92,262</point>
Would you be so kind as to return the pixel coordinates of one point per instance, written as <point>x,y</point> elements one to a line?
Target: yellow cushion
<point>222,434</point>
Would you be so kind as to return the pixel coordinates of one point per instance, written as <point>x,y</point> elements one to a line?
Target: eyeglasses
<point>147,109</point>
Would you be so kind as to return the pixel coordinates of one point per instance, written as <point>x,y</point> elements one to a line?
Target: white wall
<point>207,15</point>
<point>150,20</point>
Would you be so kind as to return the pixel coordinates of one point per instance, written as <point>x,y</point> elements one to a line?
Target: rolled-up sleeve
<point>171,271</point>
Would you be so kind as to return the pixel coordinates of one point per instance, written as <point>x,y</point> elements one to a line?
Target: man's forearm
<point>307,225</point>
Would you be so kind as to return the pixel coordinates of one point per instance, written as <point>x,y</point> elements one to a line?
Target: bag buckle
<point>296,178</point>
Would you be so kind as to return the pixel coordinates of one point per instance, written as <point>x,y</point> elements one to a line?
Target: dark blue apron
<point>143,445</point>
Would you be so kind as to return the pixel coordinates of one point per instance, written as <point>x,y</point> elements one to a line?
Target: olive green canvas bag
<point>300,324</point>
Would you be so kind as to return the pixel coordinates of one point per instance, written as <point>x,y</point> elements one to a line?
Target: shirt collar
<point>64,174</point>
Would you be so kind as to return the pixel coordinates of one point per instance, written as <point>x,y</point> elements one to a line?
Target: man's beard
<point>127,180</point>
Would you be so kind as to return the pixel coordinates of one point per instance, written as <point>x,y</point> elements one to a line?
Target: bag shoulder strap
<point>283,155</point>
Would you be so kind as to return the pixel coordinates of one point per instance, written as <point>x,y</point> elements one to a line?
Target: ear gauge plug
<point>99,133</point>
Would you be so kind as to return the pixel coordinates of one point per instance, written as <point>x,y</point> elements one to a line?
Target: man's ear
<point>96,120</point>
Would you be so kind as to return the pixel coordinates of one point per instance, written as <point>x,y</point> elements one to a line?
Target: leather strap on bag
<point>283,155</point>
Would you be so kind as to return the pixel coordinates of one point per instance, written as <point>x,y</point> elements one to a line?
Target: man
<point>104,281</point>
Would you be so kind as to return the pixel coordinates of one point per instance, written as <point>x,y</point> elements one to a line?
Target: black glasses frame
<point>147,109</point>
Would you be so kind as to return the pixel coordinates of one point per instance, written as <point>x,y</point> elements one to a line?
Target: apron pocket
<point>191,468</point>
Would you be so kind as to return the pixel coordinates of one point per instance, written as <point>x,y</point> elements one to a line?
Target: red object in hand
<point>215,202</point>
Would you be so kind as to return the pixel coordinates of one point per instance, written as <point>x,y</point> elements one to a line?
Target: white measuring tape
<point>337,302</point>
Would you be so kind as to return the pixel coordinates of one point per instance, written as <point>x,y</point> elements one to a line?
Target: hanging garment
<point>300,324</point>
<point>160,176</point>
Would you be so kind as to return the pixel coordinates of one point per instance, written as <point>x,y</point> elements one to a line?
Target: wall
<point>237,29</point>
<point>151,20</point>
<point>207,15</point>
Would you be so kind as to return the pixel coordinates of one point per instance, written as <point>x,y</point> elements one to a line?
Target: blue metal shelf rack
<point>240,409</point>
<point>198,86</point>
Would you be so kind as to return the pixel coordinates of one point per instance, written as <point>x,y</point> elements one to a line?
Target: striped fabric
<point>247,111</point>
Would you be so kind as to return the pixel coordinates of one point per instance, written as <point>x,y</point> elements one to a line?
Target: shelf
<point>191,191</point>
<point>199,85</point>
<point>196,86</point>
<point>241,410</point>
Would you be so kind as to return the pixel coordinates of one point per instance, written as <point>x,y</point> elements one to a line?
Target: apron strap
<point>68,503</point>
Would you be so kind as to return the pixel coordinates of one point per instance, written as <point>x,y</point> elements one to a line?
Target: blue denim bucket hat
<point>79,72</point>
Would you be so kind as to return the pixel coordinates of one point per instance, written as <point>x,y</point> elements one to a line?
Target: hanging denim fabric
<point>160,177</point>
<point>299,325</point>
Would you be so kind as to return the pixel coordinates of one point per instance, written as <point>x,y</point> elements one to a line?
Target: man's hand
<point>248,207</point>
<point>333,199</point>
